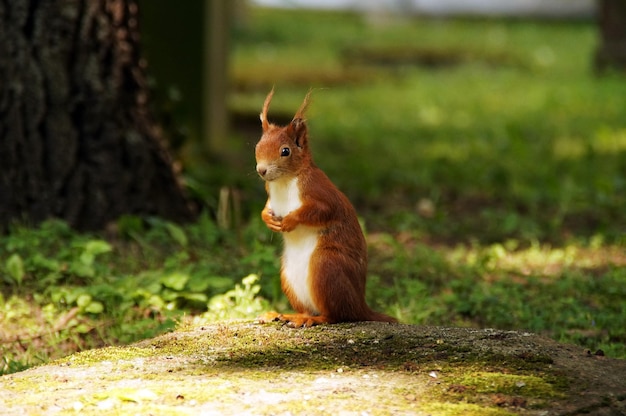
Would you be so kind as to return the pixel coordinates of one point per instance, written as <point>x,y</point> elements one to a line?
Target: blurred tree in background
<point>76,139</point>
<point>189,66</point>
<point>612,20</point>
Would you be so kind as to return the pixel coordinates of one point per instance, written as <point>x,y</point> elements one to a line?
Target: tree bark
<point>76,139</point>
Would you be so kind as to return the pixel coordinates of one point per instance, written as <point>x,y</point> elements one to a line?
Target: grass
<point>520,126</point>
<point>486,159</point>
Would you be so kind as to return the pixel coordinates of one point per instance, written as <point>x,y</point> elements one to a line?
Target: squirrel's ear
<point>266,105</point>
<point>298,131</point>
<point>298,124</point>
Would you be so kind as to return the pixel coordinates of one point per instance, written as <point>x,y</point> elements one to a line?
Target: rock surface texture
<point>347,369</point>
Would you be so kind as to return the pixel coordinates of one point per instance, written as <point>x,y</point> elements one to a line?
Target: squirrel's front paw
<point>288,224</point>
<point>273,222</point>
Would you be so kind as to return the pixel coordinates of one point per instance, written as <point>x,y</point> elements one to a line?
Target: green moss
<point>464,409</point>
<point>510,384</point>
<point>105,354</point>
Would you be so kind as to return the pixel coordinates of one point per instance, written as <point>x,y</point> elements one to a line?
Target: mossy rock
<point>363,368</point>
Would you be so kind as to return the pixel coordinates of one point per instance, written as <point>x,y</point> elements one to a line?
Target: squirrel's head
<point>282,151</point>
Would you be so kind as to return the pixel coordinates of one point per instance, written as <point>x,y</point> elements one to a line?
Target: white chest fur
<point>284,196</point>
<point>299,243</point>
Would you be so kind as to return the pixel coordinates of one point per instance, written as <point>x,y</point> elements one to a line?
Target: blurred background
<point>504,116</point>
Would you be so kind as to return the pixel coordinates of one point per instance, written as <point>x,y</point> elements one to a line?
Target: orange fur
<point>334,288</point>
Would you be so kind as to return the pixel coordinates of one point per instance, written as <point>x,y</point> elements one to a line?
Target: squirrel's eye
<point>285,151</point>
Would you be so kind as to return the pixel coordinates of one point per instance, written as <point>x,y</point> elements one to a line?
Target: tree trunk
<point>612,50</point>
<point>76,139</point>
<point>216,36</point>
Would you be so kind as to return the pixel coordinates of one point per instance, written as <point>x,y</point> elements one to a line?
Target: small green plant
<point>241,302</point>
<point>15,269</point>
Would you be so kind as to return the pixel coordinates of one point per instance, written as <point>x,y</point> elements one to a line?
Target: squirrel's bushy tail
<point>380,317</point>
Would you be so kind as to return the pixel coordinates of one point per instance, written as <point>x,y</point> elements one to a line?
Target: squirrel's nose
<point>261,169</point>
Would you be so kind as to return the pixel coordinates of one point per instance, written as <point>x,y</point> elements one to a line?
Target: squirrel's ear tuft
<point>266,105</point>
<point>303,107</point>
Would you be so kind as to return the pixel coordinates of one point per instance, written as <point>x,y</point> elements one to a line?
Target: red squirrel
<point>324,263</point>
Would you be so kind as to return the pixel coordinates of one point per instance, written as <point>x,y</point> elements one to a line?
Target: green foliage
<point>15,268</point>
<point>241,302</point>
<point>68,291</point>
<point>573,294</point>
<point>140,286</point>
